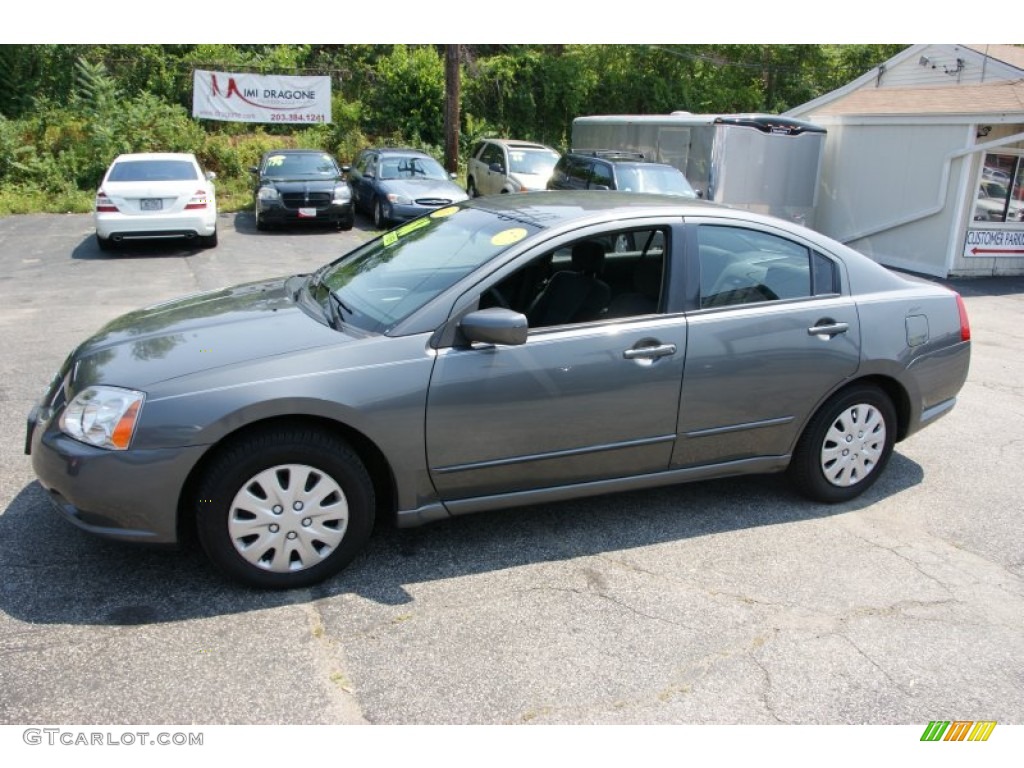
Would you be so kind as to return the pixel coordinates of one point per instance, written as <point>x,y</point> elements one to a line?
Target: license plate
<point>307,213</point>
<point>151,204</point>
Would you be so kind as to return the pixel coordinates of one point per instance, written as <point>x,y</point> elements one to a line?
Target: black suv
<point>301,185</point>
<point>624,171</point>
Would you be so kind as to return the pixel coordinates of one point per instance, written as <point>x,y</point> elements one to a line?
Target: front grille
<point>432,201</point>
<point>306,199</point>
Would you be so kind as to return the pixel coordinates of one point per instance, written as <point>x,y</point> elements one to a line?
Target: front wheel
<point>846,445</point>
<point>285,508</point>
<point>471,189</point>
<point>380,221</point>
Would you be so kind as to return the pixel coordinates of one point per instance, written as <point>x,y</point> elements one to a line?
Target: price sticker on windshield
<point>440,213</point>
<point>509,236</point>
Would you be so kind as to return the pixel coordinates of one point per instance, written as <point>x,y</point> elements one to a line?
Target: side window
<point>602,176</point>
<point>579,173</point>
<point>475,152</point>
<point>617,275</point>
<point>745,266</point>
<point>826,276</point>
<point>492,154</point>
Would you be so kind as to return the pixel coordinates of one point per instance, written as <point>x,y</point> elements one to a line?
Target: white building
<point>924,161</point>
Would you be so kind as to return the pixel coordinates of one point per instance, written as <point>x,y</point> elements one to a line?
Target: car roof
<point>517,144</point>
<point>397,151</point>
<point>296,152</point>
<point>132,156</point>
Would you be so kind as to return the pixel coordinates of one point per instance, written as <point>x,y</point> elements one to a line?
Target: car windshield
<point>304,164</point>
<point>411,168</point>
<point>153,170</point>
<point>535,162</point>
<point>660,179</point>
<point>386,280</point>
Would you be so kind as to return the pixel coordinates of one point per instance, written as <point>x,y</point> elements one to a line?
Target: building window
<point>1001,189</point>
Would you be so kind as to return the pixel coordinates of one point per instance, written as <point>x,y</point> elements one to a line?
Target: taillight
<point>965,324</point>
<point>198,201</point>
<point>103,204</point>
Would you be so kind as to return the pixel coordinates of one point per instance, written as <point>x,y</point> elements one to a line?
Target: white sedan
<point>156,195</point>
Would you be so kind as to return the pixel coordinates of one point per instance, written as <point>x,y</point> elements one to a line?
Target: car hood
<point>424,188</point>
<point>202,332</point>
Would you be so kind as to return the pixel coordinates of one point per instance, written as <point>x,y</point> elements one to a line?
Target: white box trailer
<point>763,163</point>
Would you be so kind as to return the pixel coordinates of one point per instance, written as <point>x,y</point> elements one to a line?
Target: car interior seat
<point>643,299</point>
<point>573,295</point>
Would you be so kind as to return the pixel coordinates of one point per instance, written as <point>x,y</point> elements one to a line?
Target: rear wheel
<point>846,445</point>
<point>471,189</point>
<point>208,241</point>
<point>285,508</point>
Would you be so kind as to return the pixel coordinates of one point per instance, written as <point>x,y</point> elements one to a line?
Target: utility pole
<point>451,108</point>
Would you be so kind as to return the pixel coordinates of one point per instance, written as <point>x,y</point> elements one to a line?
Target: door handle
<point>828,328</point>
<point>649,353</point>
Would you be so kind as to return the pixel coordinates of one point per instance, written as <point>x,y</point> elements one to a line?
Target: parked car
<point>505,351</point>
<point>156,196</point>
<point>623,171</point>
<point>993,203</point>
<point>294,186</point>
<point>393,185</point>
<point>506,165</point>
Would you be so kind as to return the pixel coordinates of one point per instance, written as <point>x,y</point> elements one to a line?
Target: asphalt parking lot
<point>721,602</point>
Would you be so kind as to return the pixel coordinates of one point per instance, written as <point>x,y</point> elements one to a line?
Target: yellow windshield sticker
<point>509,236</point>
<point>275,160</point>
<point>412,226</point>
<point>392,237</point>
<point>440,213</point>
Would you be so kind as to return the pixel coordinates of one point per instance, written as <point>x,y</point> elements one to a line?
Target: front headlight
<point>268,193</point>
<point>342,194</point>
<point>396,199</point>
<point>103,416</point>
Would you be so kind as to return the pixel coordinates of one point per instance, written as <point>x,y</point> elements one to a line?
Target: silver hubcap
<point>853,445</point>
<point>288,518</point>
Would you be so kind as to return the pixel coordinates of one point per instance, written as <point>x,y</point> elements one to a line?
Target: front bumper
<point>126,495</point>
<point>275,212</point>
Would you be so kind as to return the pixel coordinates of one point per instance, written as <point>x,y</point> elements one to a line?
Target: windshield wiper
<point>336,308</point>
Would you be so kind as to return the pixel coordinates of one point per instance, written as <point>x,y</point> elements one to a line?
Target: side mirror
<point>599,186</point>
<point>253,169</point>
<point>497,168</point>
<point>495,325</point>
<point>453,176</point>
<point>210,175</point>
<point>346,168</point>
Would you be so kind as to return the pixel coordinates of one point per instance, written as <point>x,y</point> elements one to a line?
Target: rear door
<point>773,331</point>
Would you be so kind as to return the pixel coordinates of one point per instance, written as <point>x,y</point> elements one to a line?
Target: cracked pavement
<point>726,602</point>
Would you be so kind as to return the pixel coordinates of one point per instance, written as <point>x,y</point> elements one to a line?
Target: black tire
<point>471,188</point>
<point>846,445</point>
<point>261,223</point>
<point>344,225</point>
<point>300,547</point>
<point>379,219</point>
<point>105,244</point>
<point>208,241</point>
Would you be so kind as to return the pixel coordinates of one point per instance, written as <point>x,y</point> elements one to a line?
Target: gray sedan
<point>500,352</point>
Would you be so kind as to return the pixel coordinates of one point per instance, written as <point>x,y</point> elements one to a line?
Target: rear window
<point>153,170</point>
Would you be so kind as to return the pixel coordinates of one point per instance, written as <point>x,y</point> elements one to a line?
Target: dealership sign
<point>994,242</point>
<point>247,98</point>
